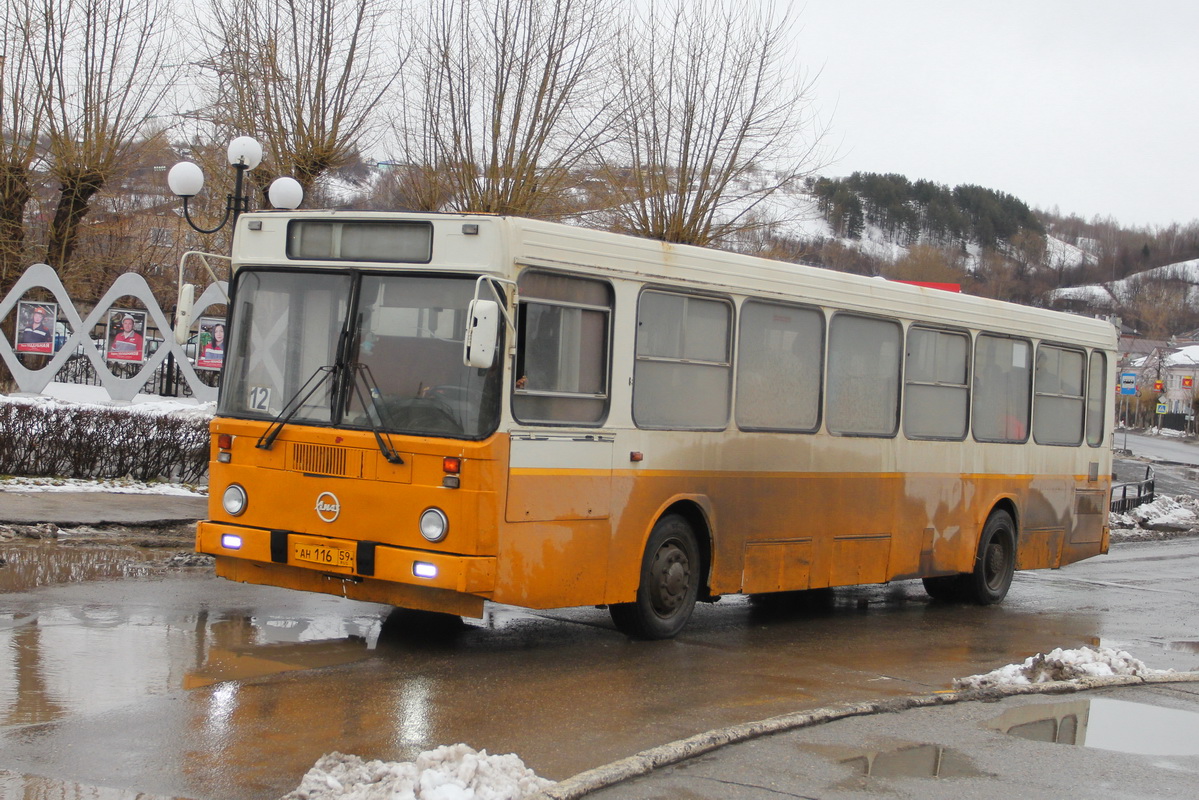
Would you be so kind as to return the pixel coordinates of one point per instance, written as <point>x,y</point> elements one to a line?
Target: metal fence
<point>1127,496</point>
<point>80,358</point>
<point>166,380</point>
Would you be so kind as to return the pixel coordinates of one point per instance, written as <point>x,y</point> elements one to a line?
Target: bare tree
<point>102,75</point>
<point>505,99</point>
<point>710,97</point>
<point>305,77</point>
<point>20,126</point>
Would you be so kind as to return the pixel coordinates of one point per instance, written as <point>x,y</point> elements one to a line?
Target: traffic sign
<point>1128,383</point>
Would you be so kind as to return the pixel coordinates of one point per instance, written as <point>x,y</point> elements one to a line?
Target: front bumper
<point>473,575</point>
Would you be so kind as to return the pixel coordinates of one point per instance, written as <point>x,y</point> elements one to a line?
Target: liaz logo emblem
<point>327,506</point>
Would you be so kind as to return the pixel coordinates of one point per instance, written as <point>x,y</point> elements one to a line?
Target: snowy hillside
<point>1113,293</point>
<point>795,214</point>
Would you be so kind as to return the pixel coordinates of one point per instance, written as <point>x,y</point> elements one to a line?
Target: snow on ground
<point>1164,513</point>
<point>83,395</point>
<point>1061,665</point>
<point>451,772</point>
<point>114,485</point>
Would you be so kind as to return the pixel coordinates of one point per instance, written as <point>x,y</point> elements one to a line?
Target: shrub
<point>48,439</point>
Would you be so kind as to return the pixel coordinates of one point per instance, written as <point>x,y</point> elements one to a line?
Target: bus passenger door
<point>554,549</point>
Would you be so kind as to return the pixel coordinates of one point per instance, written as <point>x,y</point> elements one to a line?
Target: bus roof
<point>493,244</point>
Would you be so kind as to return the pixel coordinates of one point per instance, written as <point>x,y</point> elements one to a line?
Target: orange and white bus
<point>434,411</point>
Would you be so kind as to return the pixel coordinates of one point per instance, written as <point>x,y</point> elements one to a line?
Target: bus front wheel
<point>668,585</point>
<point>994,563</point>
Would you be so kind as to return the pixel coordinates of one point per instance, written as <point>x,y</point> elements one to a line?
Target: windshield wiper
<point>363,372</point>
<point>293,406</point>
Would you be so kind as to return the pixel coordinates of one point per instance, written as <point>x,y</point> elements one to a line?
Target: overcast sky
<point>1091,106</point>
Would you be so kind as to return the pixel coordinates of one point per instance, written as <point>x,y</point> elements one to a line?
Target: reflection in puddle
<point>256,661</point>
<point>918,761</point>
<point>244,647</point>
<point>1105,724</point>
<point>905,760</point>
<point>46,563</point>
<point>1183,647</point>
<point>14,784</point>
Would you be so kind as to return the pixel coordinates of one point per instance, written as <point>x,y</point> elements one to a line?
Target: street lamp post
<point>186,179</point>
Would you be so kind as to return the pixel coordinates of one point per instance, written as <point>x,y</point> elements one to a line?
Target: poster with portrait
<point>126,336</point>
<point>35,327</point>
<point>210,343</point>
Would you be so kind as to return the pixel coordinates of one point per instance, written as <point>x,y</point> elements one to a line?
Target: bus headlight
<point>434,525</point>
<point>234,500</point>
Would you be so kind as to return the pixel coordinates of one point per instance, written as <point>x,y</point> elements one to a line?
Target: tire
<point>994,563</point>
<point>669,583</point>
<point>945,588</point>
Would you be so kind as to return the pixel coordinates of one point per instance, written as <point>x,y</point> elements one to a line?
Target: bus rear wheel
<point>994,563</point>
<point>669,583</point>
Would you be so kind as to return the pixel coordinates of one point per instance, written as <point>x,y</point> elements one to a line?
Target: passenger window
<point>683,373</point>
<point>936,400</point>
<point>1002,385</point>
<point>1096,399</point>
<point>863,376</point>
<point>779,358</point>
<point>1058,404</point>
<point>563,339</point>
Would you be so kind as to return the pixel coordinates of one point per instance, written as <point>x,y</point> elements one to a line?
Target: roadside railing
<point>1127,496</point>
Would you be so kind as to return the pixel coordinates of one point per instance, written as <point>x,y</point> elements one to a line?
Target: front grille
<point>319,460</point>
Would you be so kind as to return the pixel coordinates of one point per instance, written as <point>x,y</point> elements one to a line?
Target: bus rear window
<point>396,242</point>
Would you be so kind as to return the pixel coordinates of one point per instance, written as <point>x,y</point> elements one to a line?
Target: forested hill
<point>910,212</point>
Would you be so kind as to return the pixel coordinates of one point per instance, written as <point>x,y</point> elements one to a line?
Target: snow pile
<point>451,772</point>
<point>1061,665</point>
<point>1163,514</point>
<point>113,485</point>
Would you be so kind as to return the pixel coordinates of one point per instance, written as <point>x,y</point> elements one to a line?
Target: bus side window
<point>682,376</point>
<point>1002,383</point>
<point>863,375</point>
<point>1058,405</point>
<point>936,402</point>
<point>779,367</point>
<point>1096,398</point>
<point>563,335</point>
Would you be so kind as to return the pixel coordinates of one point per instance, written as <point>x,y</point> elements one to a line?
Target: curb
<point>647,761</point>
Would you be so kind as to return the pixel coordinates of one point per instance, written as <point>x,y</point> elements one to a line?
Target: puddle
<point>910,760</point>
<point>28,566</point>
<point>246,663</point>
<point>1105,724</point>
<point>920,761</point>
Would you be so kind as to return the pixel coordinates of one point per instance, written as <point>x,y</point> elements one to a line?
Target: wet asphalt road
<point>174,683</point>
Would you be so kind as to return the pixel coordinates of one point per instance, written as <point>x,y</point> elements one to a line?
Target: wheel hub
<point>671,574</point>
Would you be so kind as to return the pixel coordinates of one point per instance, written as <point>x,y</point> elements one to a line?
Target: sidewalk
<point>1041,744</point>
<point>70,509</point>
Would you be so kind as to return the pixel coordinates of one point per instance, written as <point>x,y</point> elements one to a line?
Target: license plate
<point>328,556</point>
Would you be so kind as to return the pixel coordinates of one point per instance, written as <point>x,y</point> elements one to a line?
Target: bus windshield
<point>396,353</point>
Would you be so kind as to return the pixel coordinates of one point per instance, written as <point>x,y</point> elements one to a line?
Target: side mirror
<point>183,312</point>
<point>482,331</point>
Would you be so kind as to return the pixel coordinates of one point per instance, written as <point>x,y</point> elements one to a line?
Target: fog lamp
<point>423,569</point>
<point>230,541</point>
